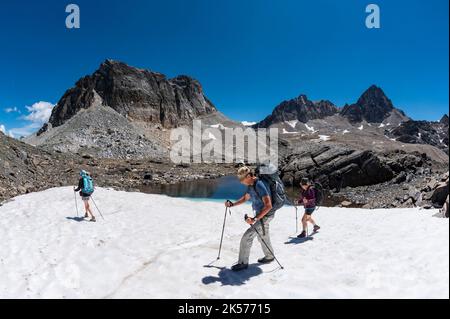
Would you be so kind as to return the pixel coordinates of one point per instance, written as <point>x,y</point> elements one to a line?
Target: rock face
<point>137,94</point>
<point>373,106</point>
<point>336,168</point>
<point>423,132</point>
<point>299,109</point>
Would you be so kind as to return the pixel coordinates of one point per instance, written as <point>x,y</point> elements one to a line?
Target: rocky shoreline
<point>25,169</point>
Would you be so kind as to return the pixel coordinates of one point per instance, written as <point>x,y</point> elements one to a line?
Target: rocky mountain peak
<point>300,109</point>
<point>138,94</point>
<point>374,96</point>
<point>444,120</point>
<point>373,106</point>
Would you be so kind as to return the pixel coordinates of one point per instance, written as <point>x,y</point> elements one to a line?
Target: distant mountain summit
<point>373,106</point>
<point>299,109</point>
<point>124,112</point>
<point>137,94</point>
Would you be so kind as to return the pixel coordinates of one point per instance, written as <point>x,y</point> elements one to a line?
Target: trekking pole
<point>76,203</point>
<point>264,242</point>
<point>223,229</point>
<point>296,219</point>
<point>296,213</point>
<point>97,207</point>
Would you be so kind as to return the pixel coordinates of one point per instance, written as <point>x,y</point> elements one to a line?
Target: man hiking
<point>86,188</point>
<point>259,193</point>
<point>308,200</point>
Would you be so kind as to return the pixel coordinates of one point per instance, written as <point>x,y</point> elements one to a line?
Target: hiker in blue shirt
<point>260,196</point>
<point>85,187</point>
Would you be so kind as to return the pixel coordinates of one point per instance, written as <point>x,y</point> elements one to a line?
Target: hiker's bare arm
<point>241,200</point>
<point>267,207</point>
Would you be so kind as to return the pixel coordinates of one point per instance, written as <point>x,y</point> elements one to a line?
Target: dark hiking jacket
<point>80,187</point>
<point>310,196</point>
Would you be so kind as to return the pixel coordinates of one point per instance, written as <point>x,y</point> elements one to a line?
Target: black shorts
<point>85,197</point>
<point>309,210</point>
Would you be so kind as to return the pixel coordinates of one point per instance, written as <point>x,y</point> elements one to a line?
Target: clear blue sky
<point>249,55</point>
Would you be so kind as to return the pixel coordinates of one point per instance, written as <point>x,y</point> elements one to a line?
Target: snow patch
<point>292,124</point>
<point>287,132</point>
<point>324,137</point>
<point>392,139</point>
<point>137,252</point>
<point>219,126</point>
<point>361,127</point>
<point>310,128</point>
<point>345,132</point>
<point>246,123</point>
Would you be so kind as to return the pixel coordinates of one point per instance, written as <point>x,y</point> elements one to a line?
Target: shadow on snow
<point>227,277</point>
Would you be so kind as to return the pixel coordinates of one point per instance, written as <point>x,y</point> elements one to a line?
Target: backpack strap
<point>254,188</point>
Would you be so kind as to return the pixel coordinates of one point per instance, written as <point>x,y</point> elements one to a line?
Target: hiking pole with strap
<point>223,228</point>
<point>76,203</point>
<point>97,207</point>
<point>264,242</point>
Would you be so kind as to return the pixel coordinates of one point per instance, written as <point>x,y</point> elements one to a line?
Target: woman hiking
<point>260,196</point>
<point>86,188</point>
<point>308,200</point>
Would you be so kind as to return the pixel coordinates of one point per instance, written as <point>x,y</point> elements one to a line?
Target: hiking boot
<point>92,219</point>
<point>316,228</point>
<point>266,260</point>
<point>239,267</point>
<point>86,215</point>
<point>302,235</point>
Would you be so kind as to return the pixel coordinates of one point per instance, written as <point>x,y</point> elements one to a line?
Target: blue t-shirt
<point>256,198</point>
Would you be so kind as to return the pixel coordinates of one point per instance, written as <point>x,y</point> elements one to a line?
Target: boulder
<point>346,203</point>
<point>440,194</point>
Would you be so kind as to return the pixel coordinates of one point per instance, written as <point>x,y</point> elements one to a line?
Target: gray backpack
<point>268,174</point>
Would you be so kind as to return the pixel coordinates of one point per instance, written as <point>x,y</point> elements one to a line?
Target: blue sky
<point>249,55</point>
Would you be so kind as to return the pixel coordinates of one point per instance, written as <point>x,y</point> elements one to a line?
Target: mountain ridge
<point>135,93</point>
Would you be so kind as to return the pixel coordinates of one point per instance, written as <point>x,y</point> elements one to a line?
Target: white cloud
<point>38,115</point>
<point>12,110</point>
<point>2,129</point>
<point>39,112</point>
<point>24,131</point>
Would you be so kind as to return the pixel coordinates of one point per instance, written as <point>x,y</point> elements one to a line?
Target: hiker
<point>86,188</point>
<point>308,200</point>
<point>259,193</point>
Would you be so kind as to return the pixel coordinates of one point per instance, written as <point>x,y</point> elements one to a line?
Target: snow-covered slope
<point>153,246</point>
